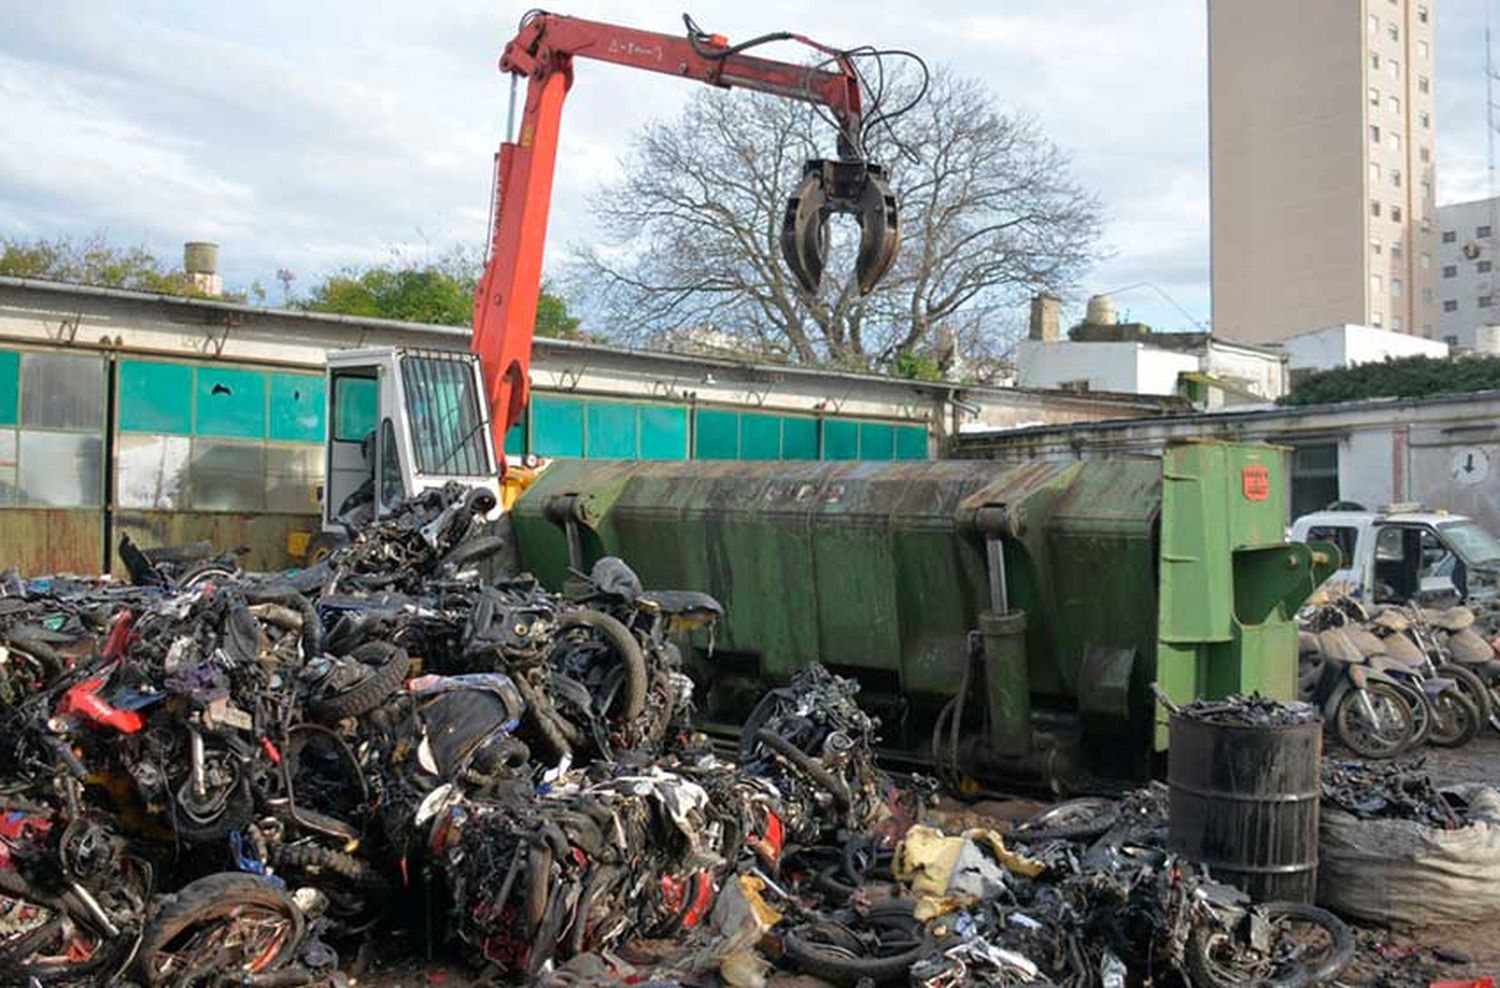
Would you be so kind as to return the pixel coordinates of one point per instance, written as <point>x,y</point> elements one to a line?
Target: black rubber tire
<point>316,864</point>
<point>624,644</point>
<point>840,970</point>
<point>206,572</point>
<point>1421,712</point>
<point>1203,973</point>
<point>473,550</point>
<point>238,810</point>
<point>321,546</point>
<point>208,899</point>
<point>387,677</point>
<point>1472,685</point>
<point>1345,711</point>
<point>1456,709</point>
<point>808,766</point>
<point>1101,815</point>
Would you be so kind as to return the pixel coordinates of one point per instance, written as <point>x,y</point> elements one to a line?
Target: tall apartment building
<point>1321,166</point>
<point>1468,286</point>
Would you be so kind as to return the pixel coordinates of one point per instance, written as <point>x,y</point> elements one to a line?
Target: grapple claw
<point>836,186</point>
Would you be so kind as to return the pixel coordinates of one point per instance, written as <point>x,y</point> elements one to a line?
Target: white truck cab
<point>401,420</point>
<point>1405,551</point>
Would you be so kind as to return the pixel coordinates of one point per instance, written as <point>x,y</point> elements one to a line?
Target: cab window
<point>1342,536</point>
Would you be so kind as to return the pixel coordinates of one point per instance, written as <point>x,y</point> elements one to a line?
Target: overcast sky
<point>311,135</point>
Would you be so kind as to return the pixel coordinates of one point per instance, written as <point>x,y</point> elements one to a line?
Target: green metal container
<point>1128,570</point>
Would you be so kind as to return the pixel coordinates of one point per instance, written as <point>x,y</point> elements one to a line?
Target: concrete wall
<point>1127,368</point>
<point>1444,452</point>
<point>1263,373</point>
<point>1350,345</point>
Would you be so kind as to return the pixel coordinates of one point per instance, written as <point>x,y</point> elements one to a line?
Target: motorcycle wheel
<point>1310,946</point>
<point>1472,686</point>
<point>1385,739</point>
<point>1421,713</point>
<point>1455,720</point>
<point>219,926</point>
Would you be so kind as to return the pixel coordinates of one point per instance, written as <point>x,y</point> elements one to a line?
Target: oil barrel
<point>1244,801</point>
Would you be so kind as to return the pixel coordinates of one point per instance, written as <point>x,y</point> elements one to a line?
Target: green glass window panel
<point>231,403</point>
<point>557,427</point>
<point>612,431</point>
<point>718,435</point>
<point>876,441</point>
<point>10,386</point>
<point>799,439</point>
<point>515,439</point>
<point>760,437</point>
<point>911,443</point>
<point>356,407</point>
<point>297,403</point>
<point>840,440</point>
<point>664,432</point>
<point>156,397</point>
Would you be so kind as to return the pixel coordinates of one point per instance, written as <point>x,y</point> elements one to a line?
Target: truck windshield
<point>1476,546</point>
<point>447,429</point>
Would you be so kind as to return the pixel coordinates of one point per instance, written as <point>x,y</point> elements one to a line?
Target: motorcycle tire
<point>1473,686</point>
<point>238,810</point>
<point>1349,709</point>
<point>385,678</point>
<point>1421,712</point>
<point>1455,720</point>
<point>216,899</point>
<point>625,646</point>
<point>837,968</point>
<point>1204,972</point>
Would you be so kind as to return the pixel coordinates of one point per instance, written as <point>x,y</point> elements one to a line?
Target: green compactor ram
<point>1008,619</point>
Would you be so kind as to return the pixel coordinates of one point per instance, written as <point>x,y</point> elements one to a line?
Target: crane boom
<point>542,52</point>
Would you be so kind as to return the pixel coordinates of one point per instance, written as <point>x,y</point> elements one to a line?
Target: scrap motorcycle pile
<point>214,778</point>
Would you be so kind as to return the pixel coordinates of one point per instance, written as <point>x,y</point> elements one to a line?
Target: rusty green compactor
<point>1005,618</point>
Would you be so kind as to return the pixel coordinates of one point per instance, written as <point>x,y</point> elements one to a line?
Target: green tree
<point>93,261</point>
<point>437,291</point>
<point>1407,377</point>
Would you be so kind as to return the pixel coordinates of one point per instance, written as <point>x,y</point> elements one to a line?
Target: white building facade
<point>1467,288</point>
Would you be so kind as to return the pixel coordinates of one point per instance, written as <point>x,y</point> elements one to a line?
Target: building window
<point>1422,14</point>
<point>1450,305</point>
<point>1424,260</point>
<point>1375,245</point>
<point>1374,97</point>
<point>1423,85</point>
<point>1426,155</point>
<point>1374,24</point>
<point>1377,319</point>
<point>1395,102</point>
<point>1450,270</point>
<point>1395,214</point>
<point>1397,248</point>
<point>1374,174</point>
<point>1393,31</point>
<point>1426,189</point>
<point>1398,288</point>
<point>1486,301</point>
<point>1377,285</point>
<point>1374,134</point>
<point>1482,231</point>
<point>1315,477</point>
<point>1395,68</point>
<point>1484,267</point>
<point>1396,323</point>
<point>1427,295</point>
<point>1374,60</point>
<point>1375,208</point>
<point>1396,177</point>
<point>1395,142</point>
<point>1451,340</point>
<point>1450,237</point>
<point>1422,50</point>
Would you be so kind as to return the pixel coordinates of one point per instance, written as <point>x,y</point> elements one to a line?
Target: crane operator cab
<point>400,421</point>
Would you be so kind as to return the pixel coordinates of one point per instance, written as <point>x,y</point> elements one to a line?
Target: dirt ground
<point>1387,959</point>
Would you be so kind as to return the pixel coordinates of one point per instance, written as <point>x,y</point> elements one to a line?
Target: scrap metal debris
<point>1250,711</point>
<point>1398,790</point>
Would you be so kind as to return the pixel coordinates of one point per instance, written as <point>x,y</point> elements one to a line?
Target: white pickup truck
<point>1405,552</point>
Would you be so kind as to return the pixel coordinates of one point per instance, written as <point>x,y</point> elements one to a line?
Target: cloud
<point>310,136</point>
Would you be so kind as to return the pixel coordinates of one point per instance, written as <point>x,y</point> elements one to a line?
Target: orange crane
<point>543,53</point>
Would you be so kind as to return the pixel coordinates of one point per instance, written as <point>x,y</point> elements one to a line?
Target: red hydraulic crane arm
<point>543,52</point>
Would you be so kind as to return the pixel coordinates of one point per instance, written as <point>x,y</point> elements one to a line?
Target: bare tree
<point>989,216</point>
